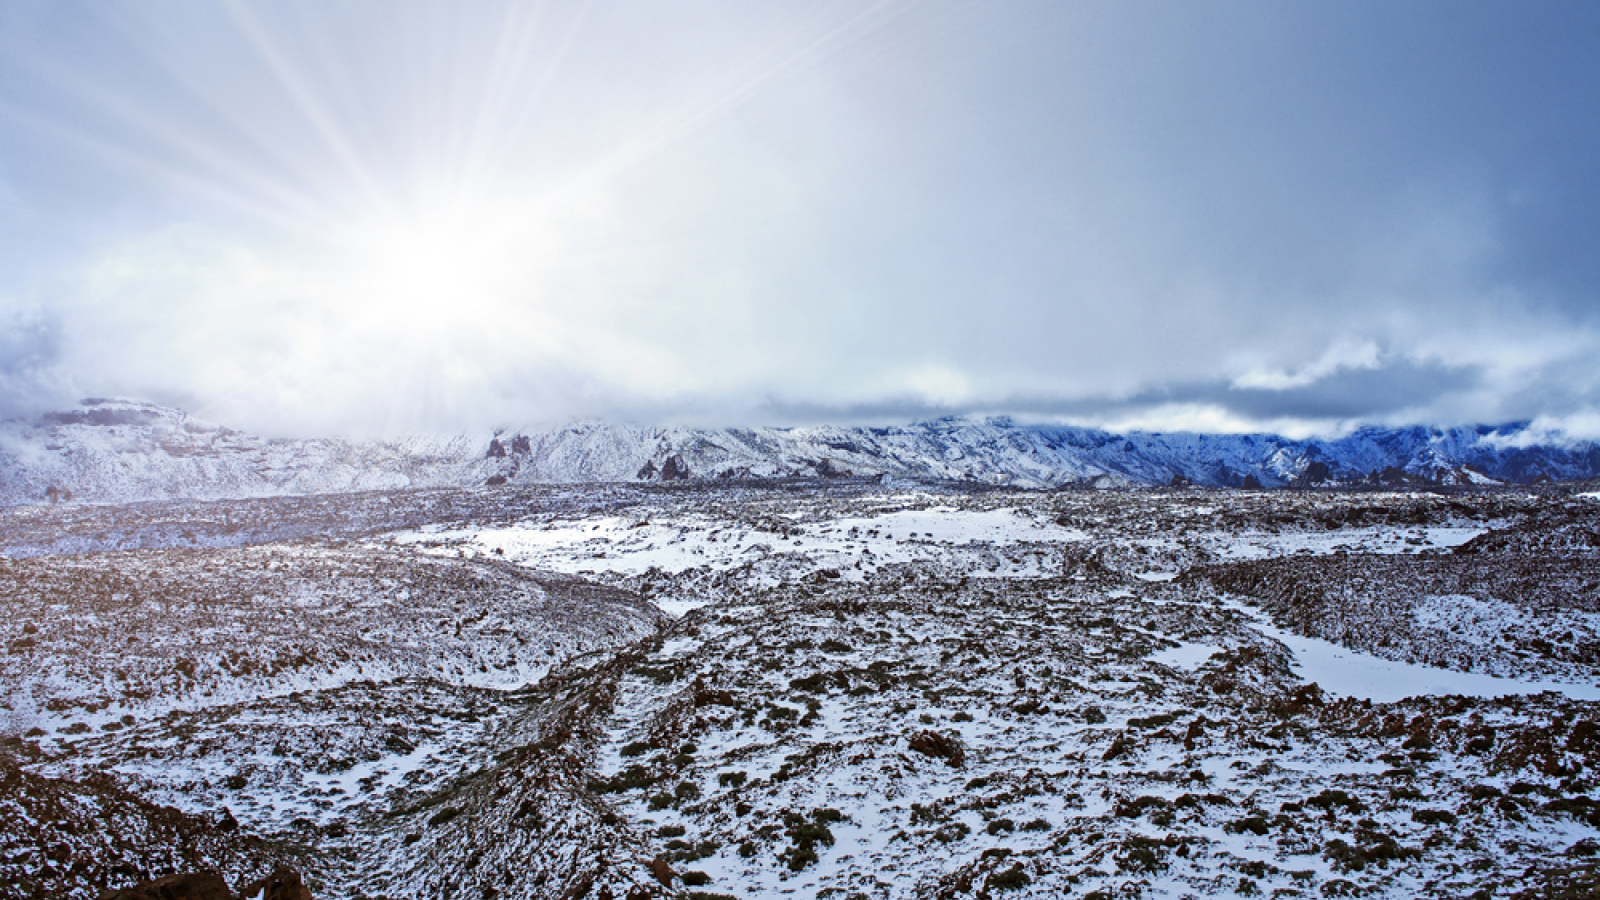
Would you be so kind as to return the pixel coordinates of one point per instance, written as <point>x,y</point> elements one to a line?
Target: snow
<point>1265,545</point>
<point>632,546</point>
<point>1350,673</point>
<point>1185,656</point>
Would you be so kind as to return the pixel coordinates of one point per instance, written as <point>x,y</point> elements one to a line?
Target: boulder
<point>284,884</point>
<point>939,746</point>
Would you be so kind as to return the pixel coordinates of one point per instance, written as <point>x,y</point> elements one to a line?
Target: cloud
<point>298,218</point>
<point>30,347</point>
<point>1343,355</point>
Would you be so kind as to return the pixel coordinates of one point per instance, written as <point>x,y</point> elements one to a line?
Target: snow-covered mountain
<point>121,450</point>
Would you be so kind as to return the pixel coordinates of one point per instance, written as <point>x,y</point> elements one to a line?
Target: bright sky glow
<point>356,216</point>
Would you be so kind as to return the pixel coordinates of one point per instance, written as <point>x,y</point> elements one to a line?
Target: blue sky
<point>379,217</point>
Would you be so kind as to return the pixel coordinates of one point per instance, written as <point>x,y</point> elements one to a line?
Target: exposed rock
<point>284,884</point>
<point>675,469</point>
<point>939,746</point>
<point>184,886</point>
<point>660,871</point>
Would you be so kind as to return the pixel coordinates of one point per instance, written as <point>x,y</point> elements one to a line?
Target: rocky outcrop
<point>675,469</point>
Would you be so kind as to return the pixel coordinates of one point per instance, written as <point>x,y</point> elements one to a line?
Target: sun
<point>422,270</point>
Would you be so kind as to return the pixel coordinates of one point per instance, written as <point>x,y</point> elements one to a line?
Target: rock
<point>939,746</point>
<point>284,884</point>
<point>675,469</point>
<point>184,886</point>
<point>827,469</point>
<point>662,872</point>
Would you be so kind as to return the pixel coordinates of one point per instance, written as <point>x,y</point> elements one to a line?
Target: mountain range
<point>113,450</point>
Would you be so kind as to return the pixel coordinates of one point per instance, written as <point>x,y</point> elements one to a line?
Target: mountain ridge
<point>114,450</point>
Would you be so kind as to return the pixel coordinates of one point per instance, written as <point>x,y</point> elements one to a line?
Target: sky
<point>319,217</point>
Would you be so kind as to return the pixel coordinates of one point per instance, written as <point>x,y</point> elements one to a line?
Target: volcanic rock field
<point>838,688</point>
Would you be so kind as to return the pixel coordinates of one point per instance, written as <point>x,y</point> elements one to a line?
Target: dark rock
<point>497,450</point>
<point>647,471</point>
<point>675,469</point>
<point>284,884</point>
<point>939,746</point>
<point>184,886</point>
<point>827,469</point>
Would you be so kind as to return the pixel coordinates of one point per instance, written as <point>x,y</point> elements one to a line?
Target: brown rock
<point>939,746</point>
<point>184,886</point>
<point>661,871</point>
<point>284,884</point>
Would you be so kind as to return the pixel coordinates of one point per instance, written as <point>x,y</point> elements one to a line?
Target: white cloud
<point>1341,355</point>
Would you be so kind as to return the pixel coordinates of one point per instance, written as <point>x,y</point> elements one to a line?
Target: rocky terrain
<point>825,688</point>
<point>120,451</point>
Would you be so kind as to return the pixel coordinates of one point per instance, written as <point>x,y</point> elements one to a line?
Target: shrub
<point>635,748</point>
<point>696,879</point>
<point>1253,824</point>
<point>797,858</point>
<point>1011,879</point>
<point>732,779</point>
<point>1142,855</point>
<point>1094,715</point>
<point>1331,797</point>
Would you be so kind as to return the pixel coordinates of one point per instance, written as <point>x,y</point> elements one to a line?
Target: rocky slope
<point>121,451</point>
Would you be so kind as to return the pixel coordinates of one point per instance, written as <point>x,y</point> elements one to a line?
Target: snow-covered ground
<point>860,691</point>
<point>1351,673</point>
